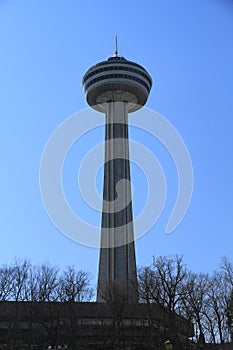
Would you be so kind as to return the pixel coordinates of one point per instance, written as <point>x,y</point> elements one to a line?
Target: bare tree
<point>163,282</point>
<point>75,285</point>
<point>227,270</point>
<point>20,271</point>
<point>47,281</point>
<point>6,282</point>
<point>170,275</point>
<point>195,302</point>
<point>206,300</point>
<point>218,298</point>
<point>147,284</point>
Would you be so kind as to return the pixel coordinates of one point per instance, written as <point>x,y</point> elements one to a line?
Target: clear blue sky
<point>46,47</point>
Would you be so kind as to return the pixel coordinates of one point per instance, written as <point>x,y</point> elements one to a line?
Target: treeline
<point>206,300</point>
<point>22,281</point>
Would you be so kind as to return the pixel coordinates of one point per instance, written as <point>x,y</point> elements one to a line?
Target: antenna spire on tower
<point>116,46</point>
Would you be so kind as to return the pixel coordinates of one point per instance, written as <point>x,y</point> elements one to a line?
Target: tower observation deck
<point>117,87</point>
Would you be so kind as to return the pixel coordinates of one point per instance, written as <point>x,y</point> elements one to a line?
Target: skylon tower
<point>117,87</point>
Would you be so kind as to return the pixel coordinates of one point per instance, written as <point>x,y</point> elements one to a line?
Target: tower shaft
<point>117,264</point>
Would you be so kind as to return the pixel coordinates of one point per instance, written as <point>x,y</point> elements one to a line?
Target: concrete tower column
<point>117,266</point>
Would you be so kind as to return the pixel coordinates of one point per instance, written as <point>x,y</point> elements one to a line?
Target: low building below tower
<point>41,325</point>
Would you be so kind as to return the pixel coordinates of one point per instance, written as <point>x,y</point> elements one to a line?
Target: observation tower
<point>117,87</point>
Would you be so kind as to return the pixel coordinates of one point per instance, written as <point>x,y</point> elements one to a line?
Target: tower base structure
<point>91,326</point>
